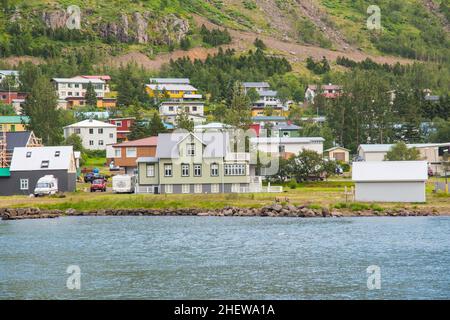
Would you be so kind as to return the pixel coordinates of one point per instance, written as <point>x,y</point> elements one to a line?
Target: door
<point>339,156</point>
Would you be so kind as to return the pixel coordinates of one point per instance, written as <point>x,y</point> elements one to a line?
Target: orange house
<point>126,153</point>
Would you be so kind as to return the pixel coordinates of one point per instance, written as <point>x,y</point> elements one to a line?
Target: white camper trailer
<point>123,183</point>
<point>46,185</point>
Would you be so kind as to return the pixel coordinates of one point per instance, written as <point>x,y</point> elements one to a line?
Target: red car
<point>98,184</point>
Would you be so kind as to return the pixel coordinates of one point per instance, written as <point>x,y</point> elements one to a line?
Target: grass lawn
<point>314,194</point>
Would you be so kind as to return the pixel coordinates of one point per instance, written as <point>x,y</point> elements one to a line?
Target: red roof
<point>144,142</point>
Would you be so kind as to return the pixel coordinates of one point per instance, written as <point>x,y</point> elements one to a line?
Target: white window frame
<point>168,188</point>
<point>24,184</point>
<point>235,187</point>
<point>190,149</point>
<point>215,188</point>
<point>167,168</point>
<point>214,169</point>
<point>185,188</point>
<point>100,131</point>
<point>185,169</point>
<point>100,142</point>
<point>150,170</point>
<point>131,152</point>
<point>198,188</point>
<point>117,152</point>
<point>197,170</point>
<point>91,142</point>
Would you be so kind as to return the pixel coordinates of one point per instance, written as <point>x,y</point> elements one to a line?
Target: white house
<point>96,135</point>
<point>169,110</point>
<point>390,181</point>
<point>76,87</point>
<point>288,146</point>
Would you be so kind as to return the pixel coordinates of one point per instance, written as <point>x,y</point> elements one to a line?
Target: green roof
<point>14,119</point>
<point>4,172</point>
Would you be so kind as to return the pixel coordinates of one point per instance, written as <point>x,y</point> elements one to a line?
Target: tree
<point>183,121</point>
<point>156,126</point>
<point>442,133</point>
<point>41,106</point>
<point>239,114</point>
<point>258,43</point>
<point>185,44</point>
<point>75,141</point>
<point>401,152</point>
<point>283,173</point>
<point>307,164</point>
<point>91,96</point>
<point>7,110</point>
<point>253,95</point>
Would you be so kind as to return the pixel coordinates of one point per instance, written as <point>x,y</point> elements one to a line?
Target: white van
<point>123,183</point>
<point>46,185</point>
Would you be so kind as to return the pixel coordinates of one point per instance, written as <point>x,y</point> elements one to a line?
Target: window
<point>185,170</point>
<point>215,188</point>
<point>100,142</point>
<point>100,131</point>
<point>235,187</point>
<point>117,153</point>
<point>131,152</point>
<point>197,170</point>
<point>45,164</point>
<point>185,188</point>
<point>235,169</point>
<point>190,149</point>
<point>286,134</point>
<point>214,170</point>
<point>197,188</point>
<point>77,131</point>
<point>281,149</point>
<point>111,135</point>
<point>170,108</point>
<point>91,131</point>
<point>29,154</point>
<point>150,170</point>
<point>167,170</point>
<point>57,154</point>
<point>23,184</point>
<point>168,188</point>
<point>118,123</point>
<point>194,109</point>
<point>91,142</point>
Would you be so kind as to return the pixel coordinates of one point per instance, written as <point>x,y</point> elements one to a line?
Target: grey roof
<point>9,72</point>
<point>256,85</point>
<point>16,139</point>
<point>216,144</point>
<point>285,126</point>
<point>432,98</point>
<point>20,161</point>
<point>147,159</point>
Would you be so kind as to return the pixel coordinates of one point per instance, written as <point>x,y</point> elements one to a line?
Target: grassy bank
<point>319,194</point>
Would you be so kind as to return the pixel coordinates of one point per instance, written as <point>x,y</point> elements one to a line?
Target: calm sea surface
<point>224,257</point>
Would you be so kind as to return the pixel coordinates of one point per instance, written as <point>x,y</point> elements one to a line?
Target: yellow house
<point>173,90</point>
<point>13,123</point>
<point>339,154</point>
<point>257,112</point>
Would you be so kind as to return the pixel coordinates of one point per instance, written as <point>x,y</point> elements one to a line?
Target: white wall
<point>290,147</point>
<point>390,191</point>
<point>373,156</point>
<point>109,136</point>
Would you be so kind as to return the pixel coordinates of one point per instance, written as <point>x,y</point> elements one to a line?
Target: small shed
<point>339,154</point>
<point>390,181</point>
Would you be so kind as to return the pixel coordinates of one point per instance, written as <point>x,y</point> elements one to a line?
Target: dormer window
<point>45,164</point>
<point>190,149</point>
<point>57,154</point>
<point>29,154</point>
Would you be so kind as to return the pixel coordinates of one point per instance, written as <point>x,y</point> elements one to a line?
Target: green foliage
<point>239,112</point>
<point>7,110</point>
<point>183,122</point>
<point>308,33</point>
<point>75,141</point>
<point>217,74</point>
<point>185,44</point>
<point>306,165</point>
<point>259,44</point>
<point>253,95</point>
<point>292,184</point>
<point>41,107</point>
<point>215,37</point>
<point>400,152</point>
<point>442,133</point>
<point>320,67</point>
<point>249,4</point>
<point>91,96</point>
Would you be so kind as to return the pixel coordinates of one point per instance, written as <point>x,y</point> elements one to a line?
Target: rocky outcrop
<point>274,210</point>
<point>55,19</point>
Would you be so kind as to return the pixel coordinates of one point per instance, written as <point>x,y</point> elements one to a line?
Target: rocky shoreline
<point>274,210</point>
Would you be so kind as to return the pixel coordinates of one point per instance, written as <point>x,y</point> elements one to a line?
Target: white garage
<point>390,181</point>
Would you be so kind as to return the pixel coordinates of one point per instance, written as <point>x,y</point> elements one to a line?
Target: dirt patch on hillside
<point>13,61</point>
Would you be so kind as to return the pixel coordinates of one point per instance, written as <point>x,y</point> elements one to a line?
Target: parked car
<point>46,185</point>
<point>91,176</point>
<point>98,184</point>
